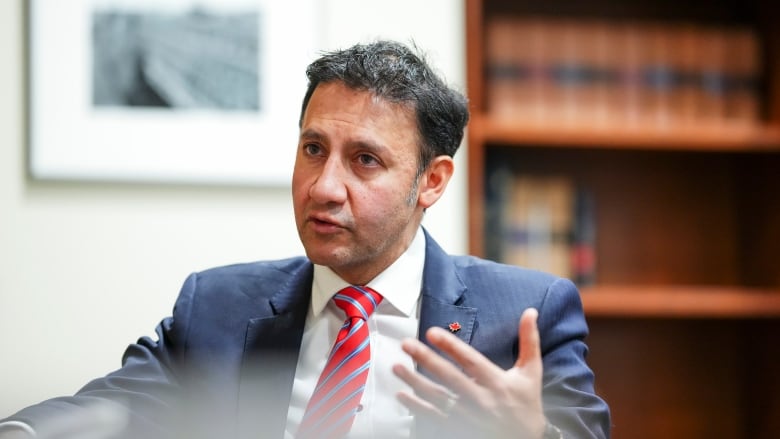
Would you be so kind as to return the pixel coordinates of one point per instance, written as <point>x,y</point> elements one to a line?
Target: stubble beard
<point>343,259</point>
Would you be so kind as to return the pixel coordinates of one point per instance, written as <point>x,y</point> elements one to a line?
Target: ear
<point>434,180</point>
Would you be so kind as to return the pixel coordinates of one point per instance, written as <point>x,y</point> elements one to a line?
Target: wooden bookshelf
<point>705,138</point>
<point>675,301</point>
<point>684,310</point>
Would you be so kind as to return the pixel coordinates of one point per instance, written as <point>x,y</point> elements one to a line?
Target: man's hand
<point>494,402</point>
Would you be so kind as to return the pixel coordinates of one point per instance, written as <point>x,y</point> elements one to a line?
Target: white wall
<point>86,269</point>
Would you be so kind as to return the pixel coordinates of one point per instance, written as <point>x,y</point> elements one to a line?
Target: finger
<point>436,365</point>
<point>434,394</point>
<point>472,361</point>
<point>419,406</point>
<point>530,347</point>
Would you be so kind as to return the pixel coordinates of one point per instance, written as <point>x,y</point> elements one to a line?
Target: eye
<point>312,149</point>
<point>367,160</point>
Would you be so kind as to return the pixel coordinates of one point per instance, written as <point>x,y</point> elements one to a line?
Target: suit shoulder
<point>257,268</point>
<point>259,278</point>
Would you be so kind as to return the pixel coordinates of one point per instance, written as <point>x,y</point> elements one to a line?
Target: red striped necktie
<point>336,398</point>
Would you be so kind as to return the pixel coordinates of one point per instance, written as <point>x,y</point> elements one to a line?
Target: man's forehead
<point>338,98</point>
<point>375,94</point>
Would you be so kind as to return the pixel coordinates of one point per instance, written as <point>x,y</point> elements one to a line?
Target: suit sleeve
<point>569,398</point>
<point>137,400</point>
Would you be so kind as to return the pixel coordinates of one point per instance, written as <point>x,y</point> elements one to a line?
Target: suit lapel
<point>442,305</point>
<point>443,295</point>
<point>459,320</point>
<point>271,352</point>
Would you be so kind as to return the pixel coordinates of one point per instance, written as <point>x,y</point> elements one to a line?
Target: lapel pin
<point>454,327</point>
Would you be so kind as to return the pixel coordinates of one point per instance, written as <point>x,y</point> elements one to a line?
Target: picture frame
<point>180,91</point>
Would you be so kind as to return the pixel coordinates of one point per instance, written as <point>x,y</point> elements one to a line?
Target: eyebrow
<point>311,134</point>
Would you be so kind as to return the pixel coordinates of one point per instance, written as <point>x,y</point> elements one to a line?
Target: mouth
<point>325,224</point>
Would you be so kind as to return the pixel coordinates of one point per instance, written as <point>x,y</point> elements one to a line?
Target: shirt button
<point>360,408</point>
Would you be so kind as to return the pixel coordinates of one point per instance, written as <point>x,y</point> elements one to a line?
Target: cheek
<point>299,193</point>
<point>298,182</point>
<point>386,207</point>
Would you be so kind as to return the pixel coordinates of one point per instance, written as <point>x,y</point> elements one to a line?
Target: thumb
<point>530,357</point>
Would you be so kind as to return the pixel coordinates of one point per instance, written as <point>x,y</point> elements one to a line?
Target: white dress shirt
<point>395,318</point>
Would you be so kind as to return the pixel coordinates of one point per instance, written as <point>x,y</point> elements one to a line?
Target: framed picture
<point>180,91</point>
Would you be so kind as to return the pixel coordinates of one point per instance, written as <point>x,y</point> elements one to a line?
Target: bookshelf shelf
<point>683,293</point>
<point>632,301</point>
<point>716,137</point>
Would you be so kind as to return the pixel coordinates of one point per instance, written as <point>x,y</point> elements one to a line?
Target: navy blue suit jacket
<point>224,362</point>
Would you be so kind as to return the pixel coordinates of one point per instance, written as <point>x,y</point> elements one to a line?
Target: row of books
<point>545,223</point>
<point>575,71</point>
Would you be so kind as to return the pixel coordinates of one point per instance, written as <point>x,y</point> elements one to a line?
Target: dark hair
<point>392,71</point>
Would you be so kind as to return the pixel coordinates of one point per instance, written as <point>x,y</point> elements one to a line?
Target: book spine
<point>538,224</point>
<point>742,103</point>
<point>583,248</point>
<point>598,73</point>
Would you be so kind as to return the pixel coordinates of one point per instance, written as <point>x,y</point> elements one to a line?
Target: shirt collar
<point>399,284</point>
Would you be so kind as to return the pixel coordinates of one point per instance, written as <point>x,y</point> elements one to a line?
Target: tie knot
<point>357,301</point>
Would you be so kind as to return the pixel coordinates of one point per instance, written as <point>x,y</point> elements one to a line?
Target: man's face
<point>354,182</point>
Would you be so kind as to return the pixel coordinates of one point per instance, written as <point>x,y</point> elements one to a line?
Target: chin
<point>320,256</point>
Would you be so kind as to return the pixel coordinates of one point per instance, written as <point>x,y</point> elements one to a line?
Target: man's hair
<point>392,71</point>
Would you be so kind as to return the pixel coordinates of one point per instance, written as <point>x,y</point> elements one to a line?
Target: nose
<point>330,184</point>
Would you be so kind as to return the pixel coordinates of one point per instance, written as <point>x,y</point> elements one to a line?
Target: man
<point>249,350</point>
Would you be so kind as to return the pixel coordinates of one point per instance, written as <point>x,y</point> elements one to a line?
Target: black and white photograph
<point>183,91</point>
<point>194,59</point>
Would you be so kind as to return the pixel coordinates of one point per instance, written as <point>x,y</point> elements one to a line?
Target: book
<point>583,245</point>
<point>557,71</point>
<point>742,72</point>
<point>515,68</point>
<point>537,224</point>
